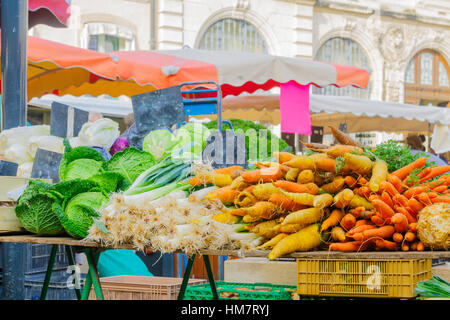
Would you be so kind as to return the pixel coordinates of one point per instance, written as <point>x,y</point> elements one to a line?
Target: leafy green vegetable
<point>34,209</point>
<point>130,163</point>
<point>263,145</point>
<point>398,155</point>
<point>80,162</point>
<point>108,181</point>
<point>340,163</point>
<point>159,143</point>
<point>436,287</point>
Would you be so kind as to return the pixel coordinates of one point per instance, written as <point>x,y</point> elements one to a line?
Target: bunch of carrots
<point>336,198</point>
<point>397,199</point>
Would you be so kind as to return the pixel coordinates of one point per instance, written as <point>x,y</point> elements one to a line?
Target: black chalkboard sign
<point>225,149</point>
<point>46,165</point>
<point>66,121</point>
<point>8,168</point>
<point>158,109</point>
<point>317,134</point>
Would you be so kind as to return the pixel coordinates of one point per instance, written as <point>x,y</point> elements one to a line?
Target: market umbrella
<point>54,13</point>
<point>360,115</point>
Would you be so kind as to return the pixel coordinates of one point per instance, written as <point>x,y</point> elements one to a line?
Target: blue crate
<point>37,258</point>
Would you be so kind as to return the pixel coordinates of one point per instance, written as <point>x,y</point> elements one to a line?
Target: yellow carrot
<point>272,242</point>
<point>379,173</point>
<point>245,199</point>
<point>305,176</point>
<point>292,174</point>
<point>239,184</point>
<point>266,229</point>
<point>343,198</point>
<point>263,191</point>
<point>248,218</point>
<point>338,234</point>
<point>323,200</point>
<point>305,216</point>
<point>289,228</point>
<point>262,210</point>
<point>301,198</point>
<point>225,217</point>
<point>358,164</point>
<point>301,162</point>
<point>304,240</point>
<point>358,201</point>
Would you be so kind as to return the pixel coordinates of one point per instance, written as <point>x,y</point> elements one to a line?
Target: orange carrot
<point>412,227</point>
<point>326,164</point>
<point>228,170</point>
<point>407,213</point>
<point>348,221</point>
<point>440,189</point>
<point>405,247</point>
<point>445,199</point>
<point>362,223</point>
<point>362,181</point>
<point>414,190</point>
<point>284,202</point>
<point>415,205</point>
<point>356,212</point>
<point>404,171</point>
<point>436,171</point>
<point>290,186</point>
<point>413,246</point>
<point>378,220</point>
<point>195,181</point>
<point>386,244</point>
<point>283,157</point>
<point>350,181</point>
<point>397,237</point>
<point>334,218</point>
<point>373,196</point>
<point>343,138</point>
<point>424,198</point>
<point>400,222</point>
<point>389,188</point>
<point>387,199</point>
<point>359,229</point>
<point>420,246</point>
<point>383,208</point>
<point>400,199</point>
<point>384,232</point>
<point>396,182</point>
<point>265,175</point>
<point>410,236</point>
<point>350,246</point>
<point>365,192</point>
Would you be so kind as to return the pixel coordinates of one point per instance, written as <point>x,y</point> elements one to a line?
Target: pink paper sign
<point>294,108</point>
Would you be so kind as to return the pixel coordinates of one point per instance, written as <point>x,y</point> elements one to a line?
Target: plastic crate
<point>377,278</point>
<point>141,288</point>
<point>240,291</point>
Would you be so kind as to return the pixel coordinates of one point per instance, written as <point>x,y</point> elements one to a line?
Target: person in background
<point>416,144</point>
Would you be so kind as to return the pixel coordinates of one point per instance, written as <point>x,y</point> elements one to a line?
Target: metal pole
<point>14,34</point>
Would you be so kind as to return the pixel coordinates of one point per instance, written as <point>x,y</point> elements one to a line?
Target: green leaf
<point>100,225</point>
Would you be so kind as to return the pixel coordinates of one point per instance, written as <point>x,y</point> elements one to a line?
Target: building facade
<point>404,43</point>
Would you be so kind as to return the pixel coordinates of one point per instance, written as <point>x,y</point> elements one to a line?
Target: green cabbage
<point>80,162</point>
<point>159,143</point>
<point>34,209</point>
<point>191,140</point>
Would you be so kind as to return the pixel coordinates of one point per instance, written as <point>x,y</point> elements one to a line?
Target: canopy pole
<point>14,33</point>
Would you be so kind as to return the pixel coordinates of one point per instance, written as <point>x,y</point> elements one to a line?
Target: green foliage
<point>398,155</point>
<point>264,144</point>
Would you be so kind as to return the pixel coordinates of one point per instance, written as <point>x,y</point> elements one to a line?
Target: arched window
<point>233,35</point>
<point>346,52</point>
<point>427,79</point>
<point>107,37</point>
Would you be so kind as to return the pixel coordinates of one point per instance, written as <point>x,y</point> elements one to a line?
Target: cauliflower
<point>433,227</point>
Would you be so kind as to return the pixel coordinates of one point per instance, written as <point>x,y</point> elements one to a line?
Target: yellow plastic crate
<point>376,278</point>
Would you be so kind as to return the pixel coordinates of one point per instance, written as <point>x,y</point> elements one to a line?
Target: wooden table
<point>93,249</point>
